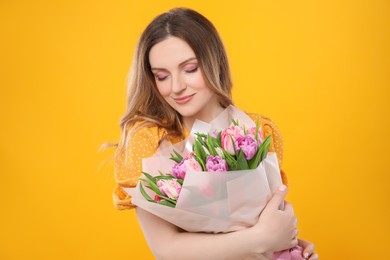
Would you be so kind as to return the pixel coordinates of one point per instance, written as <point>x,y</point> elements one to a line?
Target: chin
<point>187,112</point>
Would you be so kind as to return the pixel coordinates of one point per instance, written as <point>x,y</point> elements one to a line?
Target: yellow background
<point>320,69</point>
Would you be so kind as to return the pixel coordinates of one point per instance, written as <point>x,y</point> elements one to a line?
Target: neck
<point>206,116</point>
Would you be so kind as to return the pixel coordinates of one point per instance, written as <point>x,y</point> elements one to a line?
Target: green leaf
<point>174,159</point>
<point>143,192</point>
<point>257,129</point>
<point>164,177</point>
<point>265,147</point>
<point>254,162</point>
<point>228,156</point>
<point>150,177</point>
<point>201,138</point>
<point>210,146</point>
<point>232,163</point>
<point>168,199</point>
<point>200,162</point>
<point>241,160</point>
<point>261,153</point>
<point>158,192</point>
<point>213,141</point>
<point>176,156</point>
<point>234,145</point>
<point>201,135</point>
<point>219,139</point>
<point>162,195</point>
<point>199,151</point>
<point>151,183</point>
<point>166,203</point>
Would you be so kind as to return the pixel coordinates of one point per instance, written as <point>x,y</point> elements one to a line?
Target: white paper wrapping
<point>209,201</point>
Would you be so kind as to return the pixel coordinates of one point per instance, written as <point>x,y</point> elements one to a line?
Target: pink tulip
<point>170,188</point>
<point>216,164</point>
<point>252,131</point>
<point>189,163</point>
<point>248,145</point>
<point>227,135</point>
<point>294,253</point>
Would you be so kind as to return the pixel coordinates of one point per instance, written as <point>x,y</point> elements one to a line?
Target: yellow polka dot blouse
<point>144,143</point>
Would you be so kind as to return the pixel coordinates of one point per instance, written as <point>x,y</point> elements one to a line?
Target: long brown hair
<point>145,106</point>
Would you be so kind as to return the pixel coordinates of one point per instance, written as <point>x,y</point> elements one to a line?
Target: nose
<point>178,84</point>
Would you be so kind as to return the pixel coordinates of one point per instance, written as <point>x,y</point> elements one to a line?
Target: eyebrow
<point>181,64</point>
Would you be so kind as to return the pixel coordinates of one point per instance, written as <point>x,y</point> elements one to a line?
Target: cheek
<point>163,89</point>
<point>197,82</point>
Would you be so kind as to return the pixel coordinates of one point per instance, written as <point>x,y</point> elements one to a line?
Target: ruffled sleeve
<point>269,127</point>
<point>128,164</point>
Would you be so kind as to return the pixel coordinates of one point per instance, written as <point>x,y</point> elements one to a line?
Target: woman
<point>180,73</point>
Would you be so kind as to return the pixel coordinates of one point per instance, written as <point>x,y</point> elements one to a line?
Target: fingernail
<point>306,255</point>
<point>282,188</point>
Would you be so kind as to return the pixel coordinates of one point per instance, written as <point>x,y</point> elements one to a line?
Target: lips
<point>184,99</point>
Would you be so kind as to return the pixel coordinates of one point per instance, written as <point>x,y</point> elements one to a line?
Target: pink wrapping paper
<point>216,202</point>
<point>209,201</point>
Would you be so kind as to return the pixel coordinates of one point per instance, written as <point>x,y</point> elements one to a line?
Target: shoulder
<point>141,141</point>
<point>269,127</point>
<point>267,124</point>
<point>255,117</point>
<point>141,131</point>
<point>138,141</point>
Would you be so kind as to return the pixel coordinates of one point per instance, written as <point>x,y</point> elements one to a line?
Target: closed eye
<point>192,70</point>
<point>160,78</point>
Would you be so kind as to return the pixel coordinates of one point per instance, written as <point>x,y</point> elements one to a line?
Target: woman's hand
<point>277,228</point>
<point>308,250</point>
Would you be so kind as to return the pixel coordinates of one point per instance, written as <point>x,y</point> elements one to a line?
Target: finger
<point>278,197</point>
<point>295,233</point>
<point>308,250</point>
<point>302,243</point>
<point>295,222</point>
<point>313,257</point>
<point>288,207</point>
<point>294,242</point>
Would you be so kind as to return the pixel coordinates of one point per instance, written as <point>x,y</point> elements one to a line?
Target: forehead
<point>170,53</point>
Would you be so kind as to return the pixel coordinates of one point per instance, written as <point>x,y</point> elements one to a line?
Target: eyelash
<point>161,79</point>
<point>193,70</point>
<point>188,71</point>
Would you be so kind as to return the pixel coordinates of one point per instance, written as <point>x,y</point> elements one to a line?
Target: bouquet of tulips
<point>218,180</point>
<point>232,149</point>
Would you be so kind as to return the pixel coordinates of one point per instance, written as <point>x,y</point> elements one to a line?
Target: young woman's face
<point>180,80</point>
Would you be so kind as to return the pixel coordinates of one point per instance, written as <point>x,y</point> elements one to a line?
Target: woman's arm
<point>274,231</point>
